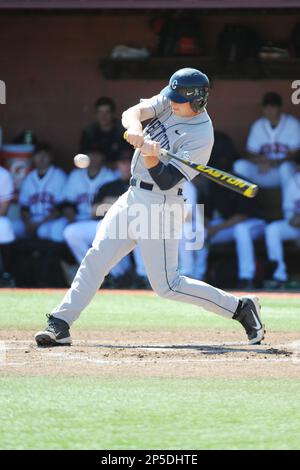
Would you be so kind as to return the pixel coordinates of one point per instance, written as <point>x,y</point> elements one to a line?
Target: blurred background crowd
<point>47,226</point>
<point>48,209</point>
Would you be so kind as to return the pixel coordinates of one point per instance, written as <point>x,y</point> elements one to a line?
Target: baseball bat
<point>239,185</point>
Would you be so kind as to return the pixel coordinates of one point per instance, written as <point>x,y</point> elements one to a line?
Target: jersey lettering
<point>157,132</point>
<point>275,150</point>
<point>41,198</point>
<point>84,198</point>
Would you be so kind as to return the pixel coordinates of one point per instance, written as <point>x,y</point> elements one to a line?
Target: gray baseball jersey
<point>191,138</point>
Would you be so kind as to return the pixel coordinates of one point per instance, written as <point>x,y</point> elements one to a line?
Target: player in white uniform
<point>82,184</point>
<point>81,187</point>
<point>273,143</point>
<point>40,193</point>
<point>7,235</point>
<point>179,122</point>
<point>232,218</point>
<point>287,229</point>
<point>80,190</point>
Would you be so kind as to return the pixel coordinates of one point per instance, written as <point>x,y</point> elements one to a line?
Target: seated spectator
<point>40,194</point>
<point>106,131</point>
<point>78,196</point>
<point>82,184</point>
<point>282,230</point>
<point>273,144</point>
<point>7,235</point>
<point>232,217</point>
<point>79,235</point>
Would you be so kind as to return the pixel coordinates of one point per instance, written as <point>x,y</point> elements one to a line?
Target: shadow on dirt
<point>203,348</point>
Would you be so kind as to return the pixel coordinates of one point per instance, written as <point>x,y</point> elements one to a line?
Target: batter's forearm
<point>132,117</point>
<point>151,161</point>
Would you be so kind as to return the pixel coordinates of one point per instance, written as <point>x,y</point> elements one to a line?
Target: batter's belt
<point>147,186</point>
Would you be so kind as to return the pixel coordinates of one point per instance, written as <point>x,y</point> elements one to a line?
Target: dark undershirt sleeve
<point>165,176</point>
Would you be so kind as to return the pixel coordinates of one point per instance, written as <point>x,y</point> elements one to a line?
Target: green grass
<point>151,413</point>
<point>50,413</point>
<point>27,311</point>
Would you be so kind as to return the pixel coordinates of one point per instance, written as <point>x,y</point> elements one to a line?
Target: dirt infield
<point>184,354</point>
<point>150,353</point>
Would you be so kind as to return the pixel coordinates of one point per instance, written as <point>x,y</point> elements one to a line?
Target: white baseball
<point>81,160</point>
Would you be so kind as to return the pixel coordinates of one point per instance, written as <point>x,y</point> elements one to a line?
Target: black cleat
<point>248,316</point>
<point>57,333</point>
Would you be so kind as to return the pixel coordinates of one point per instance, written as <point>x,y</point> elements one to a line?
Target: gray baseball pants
<point>159,252</point>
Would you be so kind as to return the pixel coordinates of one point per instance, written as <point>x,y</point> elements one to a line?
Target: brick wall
<point>50,66</point>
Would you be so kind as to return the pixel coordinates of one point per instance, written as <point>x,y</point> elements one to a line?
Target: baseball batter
<point>179,122</point>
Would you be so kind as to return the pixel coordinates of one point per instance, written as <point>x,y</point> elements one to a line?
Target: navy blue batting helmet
<point>188,85</point>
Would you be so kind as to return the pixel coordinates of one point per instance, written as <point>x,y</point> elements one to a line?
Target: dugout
<point>56,60</point>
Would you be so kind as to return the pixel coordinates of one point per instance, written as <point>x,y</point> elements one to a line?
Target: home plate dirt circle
<point>177,354</point>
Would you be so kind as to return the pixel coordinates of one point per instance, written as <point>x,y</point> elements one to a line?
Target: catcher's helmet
<point>188,85</point>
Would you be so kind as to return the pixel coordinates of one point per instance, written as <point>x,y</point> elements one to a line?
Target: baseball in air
<point>81,160</point>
